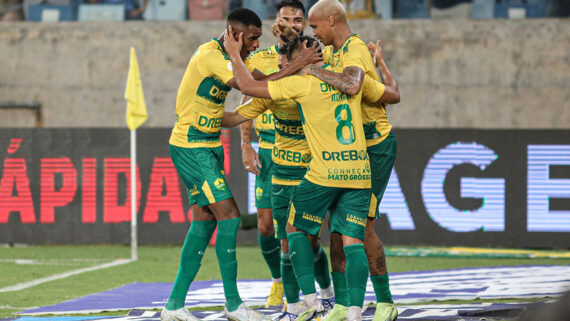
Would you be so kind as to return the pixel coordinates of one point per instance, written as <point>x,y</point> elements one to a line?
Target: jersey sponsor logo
<point>214,90</point>
<point>220,184</point>
<point>312,218</point>
<point>267,119</point>
<point>345,177</point>
<point>289,130</point>
<point>345,155</point>
<point>306,158</point>
<point>353,174</point>
<point>355,219</point>
<point>207,122</point>
<point>326,87</point>
<point>194,191</point>
<point>291,156</point>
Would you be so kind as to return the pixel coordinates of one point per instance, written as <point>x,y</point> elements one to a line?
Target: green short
<point>348,209</point>
<point>382,157</point>
<point>263,180</point>
<point>202,171</point>
<point>281,196</point>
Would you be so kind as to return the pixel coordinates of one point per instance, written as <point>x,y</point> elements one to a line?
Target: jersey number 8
<point>342,123</point>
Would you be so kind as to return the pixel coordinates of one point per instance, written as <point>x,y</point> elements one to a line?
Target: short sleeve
<point>253,107</point>
<point>215,64</point>
<point>356,55</point>
<point>372,90</point>
<point>289,87</point>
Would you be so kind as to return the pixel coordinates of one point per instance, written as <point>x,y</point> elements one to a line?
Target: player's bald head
<point>325,8</point>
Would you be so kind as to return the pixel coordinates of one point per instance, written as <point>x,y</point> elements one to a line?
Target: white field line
<point>52,261</point>
<point>59,276</point>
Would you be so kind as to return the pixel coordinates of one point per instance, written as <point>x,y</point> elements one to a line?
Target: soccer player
<point>291,156</point>
<point>339,176</point>
<point>350,61</point>
<point>290,22</point>
<point>197,154</point>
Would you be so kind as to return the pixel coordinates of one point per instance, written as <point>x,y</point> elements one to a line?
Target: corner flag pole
<point>134,239</point>
<point>136,116</point>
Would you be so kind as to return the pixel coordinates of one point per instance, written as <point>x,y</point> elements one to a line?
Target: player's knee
<point>265,229</point>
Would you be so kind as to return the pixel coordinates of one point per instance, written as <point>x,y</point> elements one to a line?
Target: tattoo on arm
<point>246,132</point>
<point>349,81</point>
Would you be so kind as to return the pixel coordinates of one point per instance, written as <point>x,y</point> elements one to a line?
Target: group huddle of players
<point>325,146</point>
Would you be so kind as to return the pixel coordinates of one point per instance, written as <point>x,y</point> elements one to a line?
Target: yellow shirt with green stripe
<point>355,53</point>
<point>266,61</point>
<point>201,98</point>
<point>332,123</point>
<point>290,153</point>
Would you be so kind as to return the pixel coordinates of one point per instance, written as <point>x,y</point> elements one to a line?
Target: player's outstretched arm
<point>348,82</point>
<point>242,76</point>
<point>233,118</point>
<point>391,93</point>
<point>309,56</point>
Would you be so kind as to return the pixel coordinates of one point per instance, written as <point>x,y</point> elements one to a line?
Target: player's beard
<point>285,39</point>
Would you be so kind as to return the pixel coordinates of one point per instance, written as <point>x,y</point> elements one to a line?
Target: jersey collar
<point>344,43</point>
<point>219,42</point>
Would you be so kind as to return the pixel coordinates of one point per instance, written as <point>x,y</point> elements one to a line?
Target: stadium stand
<point>50,11</point>
<point>11,10</point>
<point>132,9</point>
<point>257,6</point>
<point>482,9</point>
<point>166,10</point>
<point>206,9</point>
<point>412,9</point>
<point>101,12</point>
<point>172,10</point>
<point>520,8</point>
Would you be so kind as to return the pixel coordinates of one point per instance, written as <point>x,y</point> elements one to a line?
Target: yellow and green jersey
<point>266,61</point>
<point>290,153</point>
<point>355,53</point>
<point>332,122</point>
<point>201,98</point>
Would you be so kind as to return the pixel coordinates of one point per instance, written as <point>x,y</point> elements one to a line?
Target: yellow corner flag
<point>136,106</point>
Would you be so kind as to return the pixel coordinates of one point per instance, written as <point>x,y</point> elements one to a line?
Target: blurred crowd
<point>176,10</point>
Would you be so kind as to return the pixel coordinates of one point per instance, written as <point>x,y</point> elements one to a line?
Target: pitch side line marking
<point>52,261</point>
<point>60,276</point>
